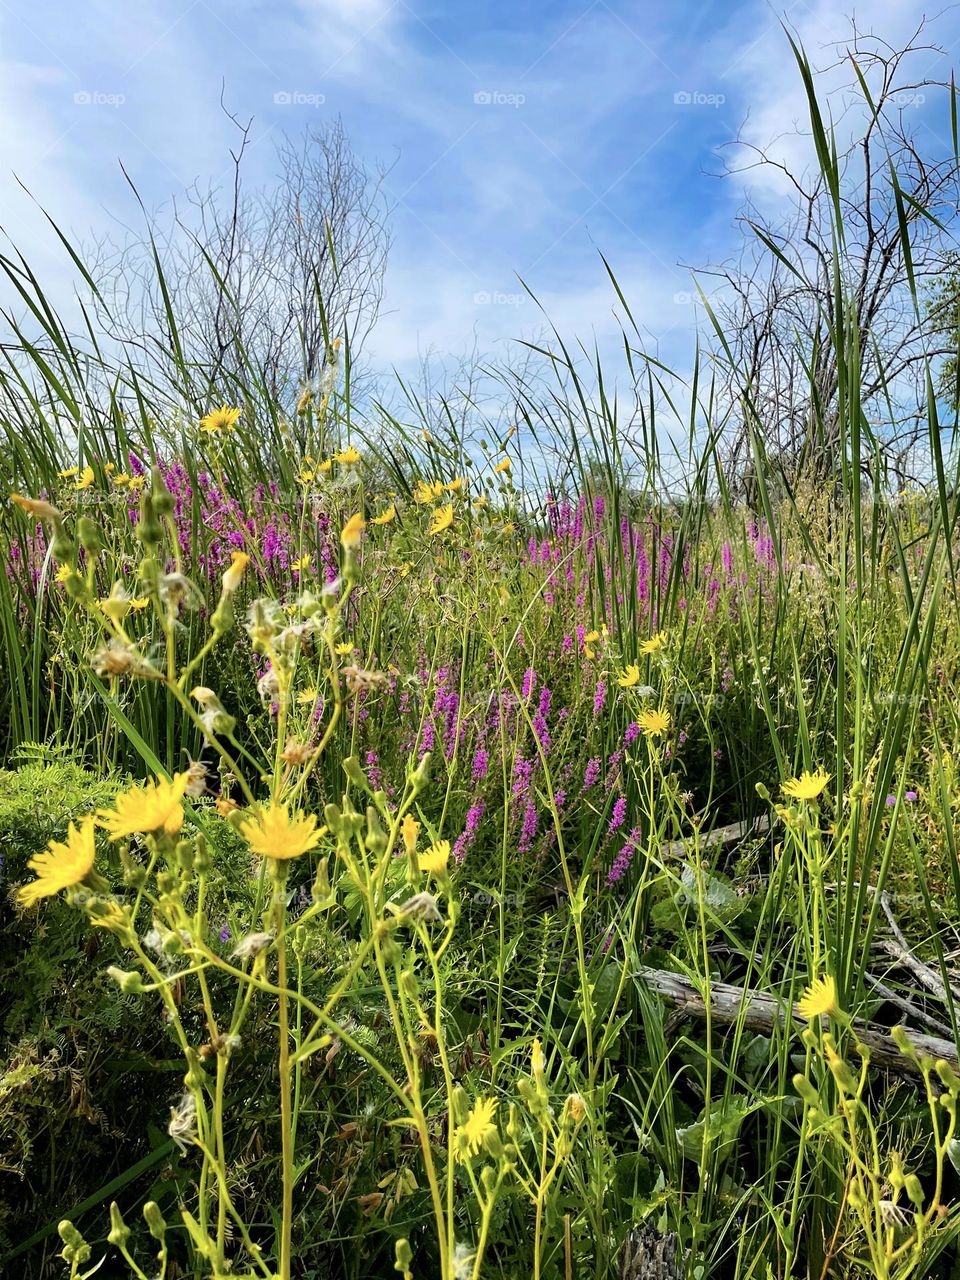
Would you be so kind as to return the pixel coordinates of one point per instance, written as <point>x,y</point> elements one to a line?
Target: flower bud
<point>128,980</point>
<point>163,503</point>
<point>119,1231</point>
<point>154,1219</point>
<point>89,536</point>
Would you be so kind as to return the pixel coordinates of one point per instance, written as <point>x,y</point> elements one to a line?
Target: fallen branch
<point>763,1012</point>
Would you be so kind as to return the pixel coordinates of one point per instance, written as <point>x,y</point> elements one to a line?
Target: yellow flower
<point>435,860</point>
<point>137,482</point>
<point>345,647</point>
<point>654,723</point>
<point>305,476</point>
<point>307,697</point>
<point>139,602</point>
<point>654,644</point>
<point>63,573</point>
<point>36,507</point>
<point>222,419</point>
<point>503,466</point>
<point>85,479</point>
<point>385,516</point>
<point>302,563</point>
<point>629,677</point>
<point>409,830</point>
<point>109,468</point>
<point>68,474</point>
<point>427,491</point>
<point>454,486</point>
<point>808,786</point>
<point>61,864</point>
<point>352,530</point>
<point>347,457</point>
<point>820,997</point>
<point>478,1126</point>
<point>274,833</point>
<point>442,519</point>
<point>325,467</point>
<point>121,479</point>
<point>154,807</point>
<point>234,571</point>
<point>591,637</point>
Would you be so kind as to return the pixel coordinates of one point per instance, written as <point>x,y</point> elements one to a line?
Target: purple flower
<point>891,801</point>
<point>632,733</point>
<point>481,762</point>
<point>619,815</point>
<point>910,796</point>
<point>224,933</point>
<point>529,680</point>
<point>621,863</point>
<point>599,697</point>
<point>591,773</point>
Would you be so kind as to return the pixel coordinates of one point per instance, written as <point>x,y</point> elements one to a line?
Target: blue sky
<point>522,138</point>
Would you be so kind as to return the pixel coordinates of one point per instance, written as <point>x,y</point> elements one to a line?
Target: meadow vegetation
<point>397,812</point>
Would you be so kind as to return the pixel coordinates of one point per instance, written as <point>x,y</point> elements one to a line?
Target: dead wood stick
<point>763,1012</point>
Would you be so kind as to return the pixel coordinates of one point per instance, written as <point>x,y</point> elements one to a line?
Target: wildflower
<point>215,718</point>
<point>434,861</point>
<point>352,531</point>
<point>478,1127</point>
<point>442,519</point>
<point>196,779</point>
<point>36,507</point>
<point>137,483</point>
<point>296,752</point>
<point>234,571</point>
<point>358,678</point>
<point>910,796</point>
<point>427,491</point>
<point>808,786</point>
<point>63,573</point>
<point>139,602</point>
<point>117,605</point>
<point>463,1259</point>
<point>454,486</point>
<point>69,473</point>
<point>85,479</point>
<point>654,644</point>
<point>422,906</point>
<point>183,1122</point>
<point>654,723</point>
<point>629,677</point>
<point>503,466</point>
<point>222,419</point>
<point>347,457</point>
<point>121,479</point>
<point>61,865</point>
<point>303,563</point>
<point>409,830</point>
<point>306,697</point>
<point>153,807</point>
<point>385,516</point>
<point>890,801</point>
<point>345,647</point>
<point>251,946</point>
<point>819,998</point>
<point>117,658</point>
<point>275,833</point>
